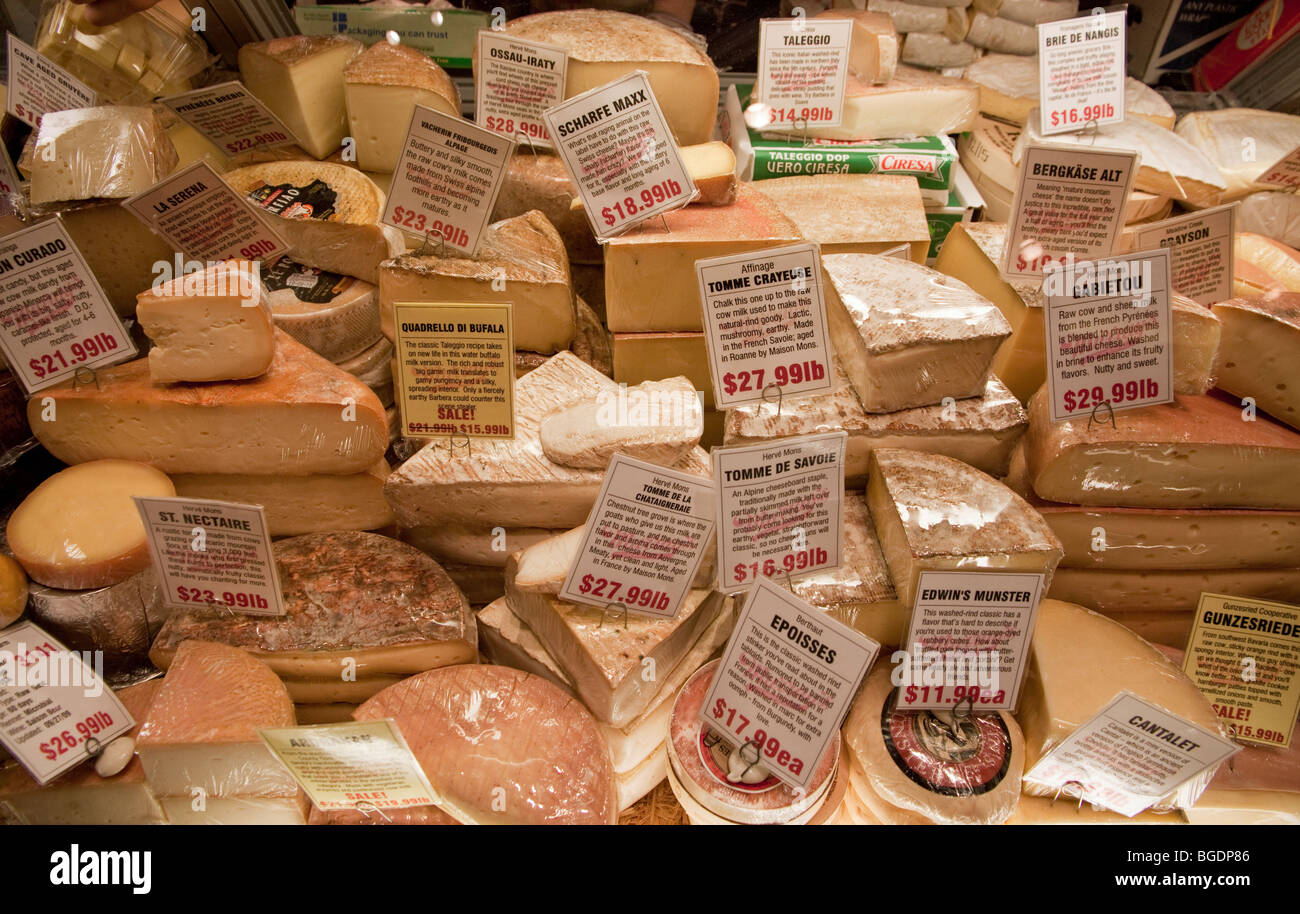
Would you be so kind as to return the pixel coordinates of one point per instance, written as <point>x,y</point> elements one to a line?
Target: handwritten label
<point>37,85</point>
<point>1200,248</point>
<point>515,81</point>
<point>1081,72</point>
<point>803,66</point>
<point>232,118</point>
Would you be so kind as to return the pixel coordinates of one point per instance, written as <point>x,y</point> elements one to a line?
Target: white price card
<point>1285,172</point>
<point>447,180</point>
<point>203,217</point>
<point>231,118</point>
<point>1081,72</point>
<point>361,765</point>
<point>968,640</point>
<point>803,67</point>
<point>644,539</point>
<point>786,681</point>
<point>1109,334</point>
<point>1201,251</point>
<point>55,709</point>
<point>38,85</point>
<point>1069,205</point>
<point>56,318</point>
<point>616,145</point>
<point>213,554</point>
<point>1128,756</point>
<point>515,81</point>
<point>780,508</point>
<point>765,325</point>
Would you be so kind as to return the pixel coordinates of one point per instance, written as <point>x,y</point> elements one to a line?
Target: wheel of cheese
<point>373,366</point>
<point>13,590</point>
<point>121,620</point>
<point>966,773</point>
<point>335,316</point>
<point>80,528</point>
<point>871,804</point>
<point>830,804</point>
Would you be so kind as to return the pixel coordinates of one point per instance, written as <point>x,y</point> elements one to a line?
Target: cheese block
<point>213,325</point>
<point>854,214</point>
<point>909,16</point>
<point>335,316</point>
<point>506,641</point>
<point>1108,591</point>
<point>657,421</point>
<point>933,513</point>
<point>118,248</point>
<point>329,214</point>
<point>14,589</point>
<point>604,46</point>
<point>120,620</point>
<point>937,51</point>
<point>192,146</point>
<point>1079,661</point>
<point>981,431</point>
<point>303,416</point>
<point>469,545</point>
<point>502,747</point>
<point>992,33</point>
<point>1160,628</point>
<point>1067,811</point>
<point>985,153</point>
<point>355,603</point>
<point>1225,135</point>
<point>80,528</point>
<point>640,357</point>
<point>520,260</point>
<point>83,797</point>
<point>543,566</point>
<point>1273,214</point>
<point>1169,165</point>
<point>1197,332</point>
<point>1009,91</point>
<point>1030,12</point>
<point>296,505</point>
<point>959,771</point>
<point>907,335</point>
<point>1259,352</point>
<point>1261,786</point>
<point>1263,266</point>
<point>667,250</point>
<point>511,482</point>
<point>873,49</point>
<point>201,730</point>
<point>480,584</point>
<point>381,88</point>
<point>300,78</point>
<point>539,181</point>
<point>111,151</point>
<point>712,167</point>
<point>335,713</point>
<point>1196,452</point>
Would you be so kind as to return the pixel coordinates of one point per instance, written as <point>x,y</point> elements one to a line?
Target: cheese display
<point>657,421</point>
<point>1009,91</point>
<point>300,78</point>
<point>1264,266</point>
<point>937,51</point>
<point>335,316</point>
<point>1259,350</point>
<point>381,88</point>
<point>1241,142</point>
<point>83,153</point>
<point>873,49</point>
<point>854,214</point>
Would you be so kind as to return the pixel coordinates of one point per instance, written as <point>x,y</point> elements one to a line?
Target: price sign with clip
<point>1081,71</point>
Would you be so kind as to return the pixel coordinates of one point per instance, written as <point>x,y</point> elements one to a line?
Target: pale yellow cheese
<point>110,151</point>
<point>1110,592</point>
<point>1260,353</point>
<point>873,49</point>
<point>640,357</point>
<point>300,78</point>
<point>119,250</point>
<point>381,87</point>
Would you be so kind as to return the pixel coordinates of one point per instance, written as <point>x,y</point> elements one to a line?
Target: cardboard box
<point>1169,36</point>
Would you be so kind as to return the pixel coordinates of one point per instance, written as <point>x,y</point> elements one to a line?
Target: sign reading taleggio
<point>230,117</point>
<point>1081,71</point>
<point>515,81</point>
<point>803,67</point>
<point>38,85</point>
<point>1201,251</point>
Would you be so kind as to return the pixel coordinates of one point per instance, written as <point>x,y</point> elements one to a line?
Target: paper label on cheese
<point>357,765</point>
<point>55,709</point>
<point>765,325</point>
<point>1081,71</point>
<point>1109,335</point>
<point>1285,172</point>
<point>1201,251</point>
<point>780,508</point>
<point>447,180</point>
<point>56,319</point>
<point>619,151</point>
<point>1069,204</point>
<point>455,370</point>
<point>200,215</point>
<point>232,118</point>
<point>803,65</point>
<point>968,640</point>
<point>516,82</point>
<point>786,681</point>
<point>645,540</point>
<point>1244,655</point>
<point>37,85</point>
<point>1128,756</point>
<point>212,553</point>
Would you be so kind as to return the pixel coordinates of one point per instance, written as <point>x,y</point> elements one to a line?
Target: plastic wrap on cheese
<point>1273,214</point>
<point>110,151</point>
<point>16,436</point>
<point>121,620</point>
<point>1242,143</point>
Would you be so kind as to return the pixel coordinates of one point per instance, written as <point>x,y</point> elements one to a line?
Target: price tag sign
<point>38,85</point>
<point>203,217</point>
<point>803,66</point>
<point>214,554</point>
<point>54,705</point>
<point>765,323</point>
<point>1201,251</point>
<point>1081,71</point>
<point>56,317</point>
<point>447,179</point>
<point>515,81</point>
<point>1285,172</point>
<point>1109,334</point>
<point>232,118</point>
<point>1129,755</point>
<point>1244,655</point>
<point>620,153</point>
<point>1069,204</point>
<point>968,640</point>
<point>456,369</point>
<point>780,508</point>
<point>786,681</point>
<point>644,541</point>
<point>363,764</point>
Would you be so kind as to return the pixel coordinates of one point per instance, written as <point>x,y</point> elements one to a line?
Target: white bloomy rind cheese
<point>1224,136</point>
<point>659,421</point>
<point>382,86</point>
<point>111,151</point>
<point>873,49</point>
<point>1260,352</point>
<point>1030,12</point>
<point>911,17</point>
<point>938,51</point>
<point>300,78</point>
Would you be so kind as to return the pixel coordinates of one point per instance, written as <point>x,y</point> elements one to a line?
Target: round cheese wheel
<point>13,590</point>
<point>80,529</point>
<point>121,620</point>
<point>876,808</point>
<point>335,316</point>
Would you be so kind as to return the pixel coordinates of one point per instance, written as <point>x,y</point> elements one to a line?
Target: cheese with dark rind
<point>121,620</point>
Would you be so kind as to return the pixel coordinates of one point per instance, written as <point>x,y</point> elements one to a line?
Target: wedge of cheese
<point>1224,135</point>
<point>873,49</point>
<point>506,641</point>
<point>1197,452</point>
<point>520,260</point>
<point>1260,351</point>
<point>907,335</point>
<point>119,250</point>
<point>467,545</point>
<point>381,88</point>
<point>658,421</point>
<point>543,566</point>
<point>110,151</point>
<point>1264,266</point>
<point>539,181</point>
<point>1197,331</point>
<point>1110,592</point>
<point>300,78</point>
<point>712,167</point>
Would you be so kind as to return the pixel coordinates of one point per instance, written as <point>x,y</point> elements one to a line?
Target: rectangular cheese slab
<point>1260,353</point>
<point>1170,591</point>
<point>642,357</point>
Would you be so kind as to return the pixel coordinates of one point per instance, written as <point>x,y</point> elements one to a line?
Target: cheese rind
<point>539,181</point>
<point>13,591</point>
<point>873,48</point>
<point>712,167</point>
<point>300,78</point>
<point>937,51</point>
<point>854,214</point>
<point>1224,134</point>
<point>658,421</point>
<point>992,32</point>
<point>1260,353</point>
<point>1009,91</point>
<point>381,88</point>
<point>1113,592</point>
<point>335,316</point>
<point>1197,331</point>
<point>110,151</point>
<point>1030,12</point>
<point>121,620</point>
<point>911,17</point>
<point>1264,266</point>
